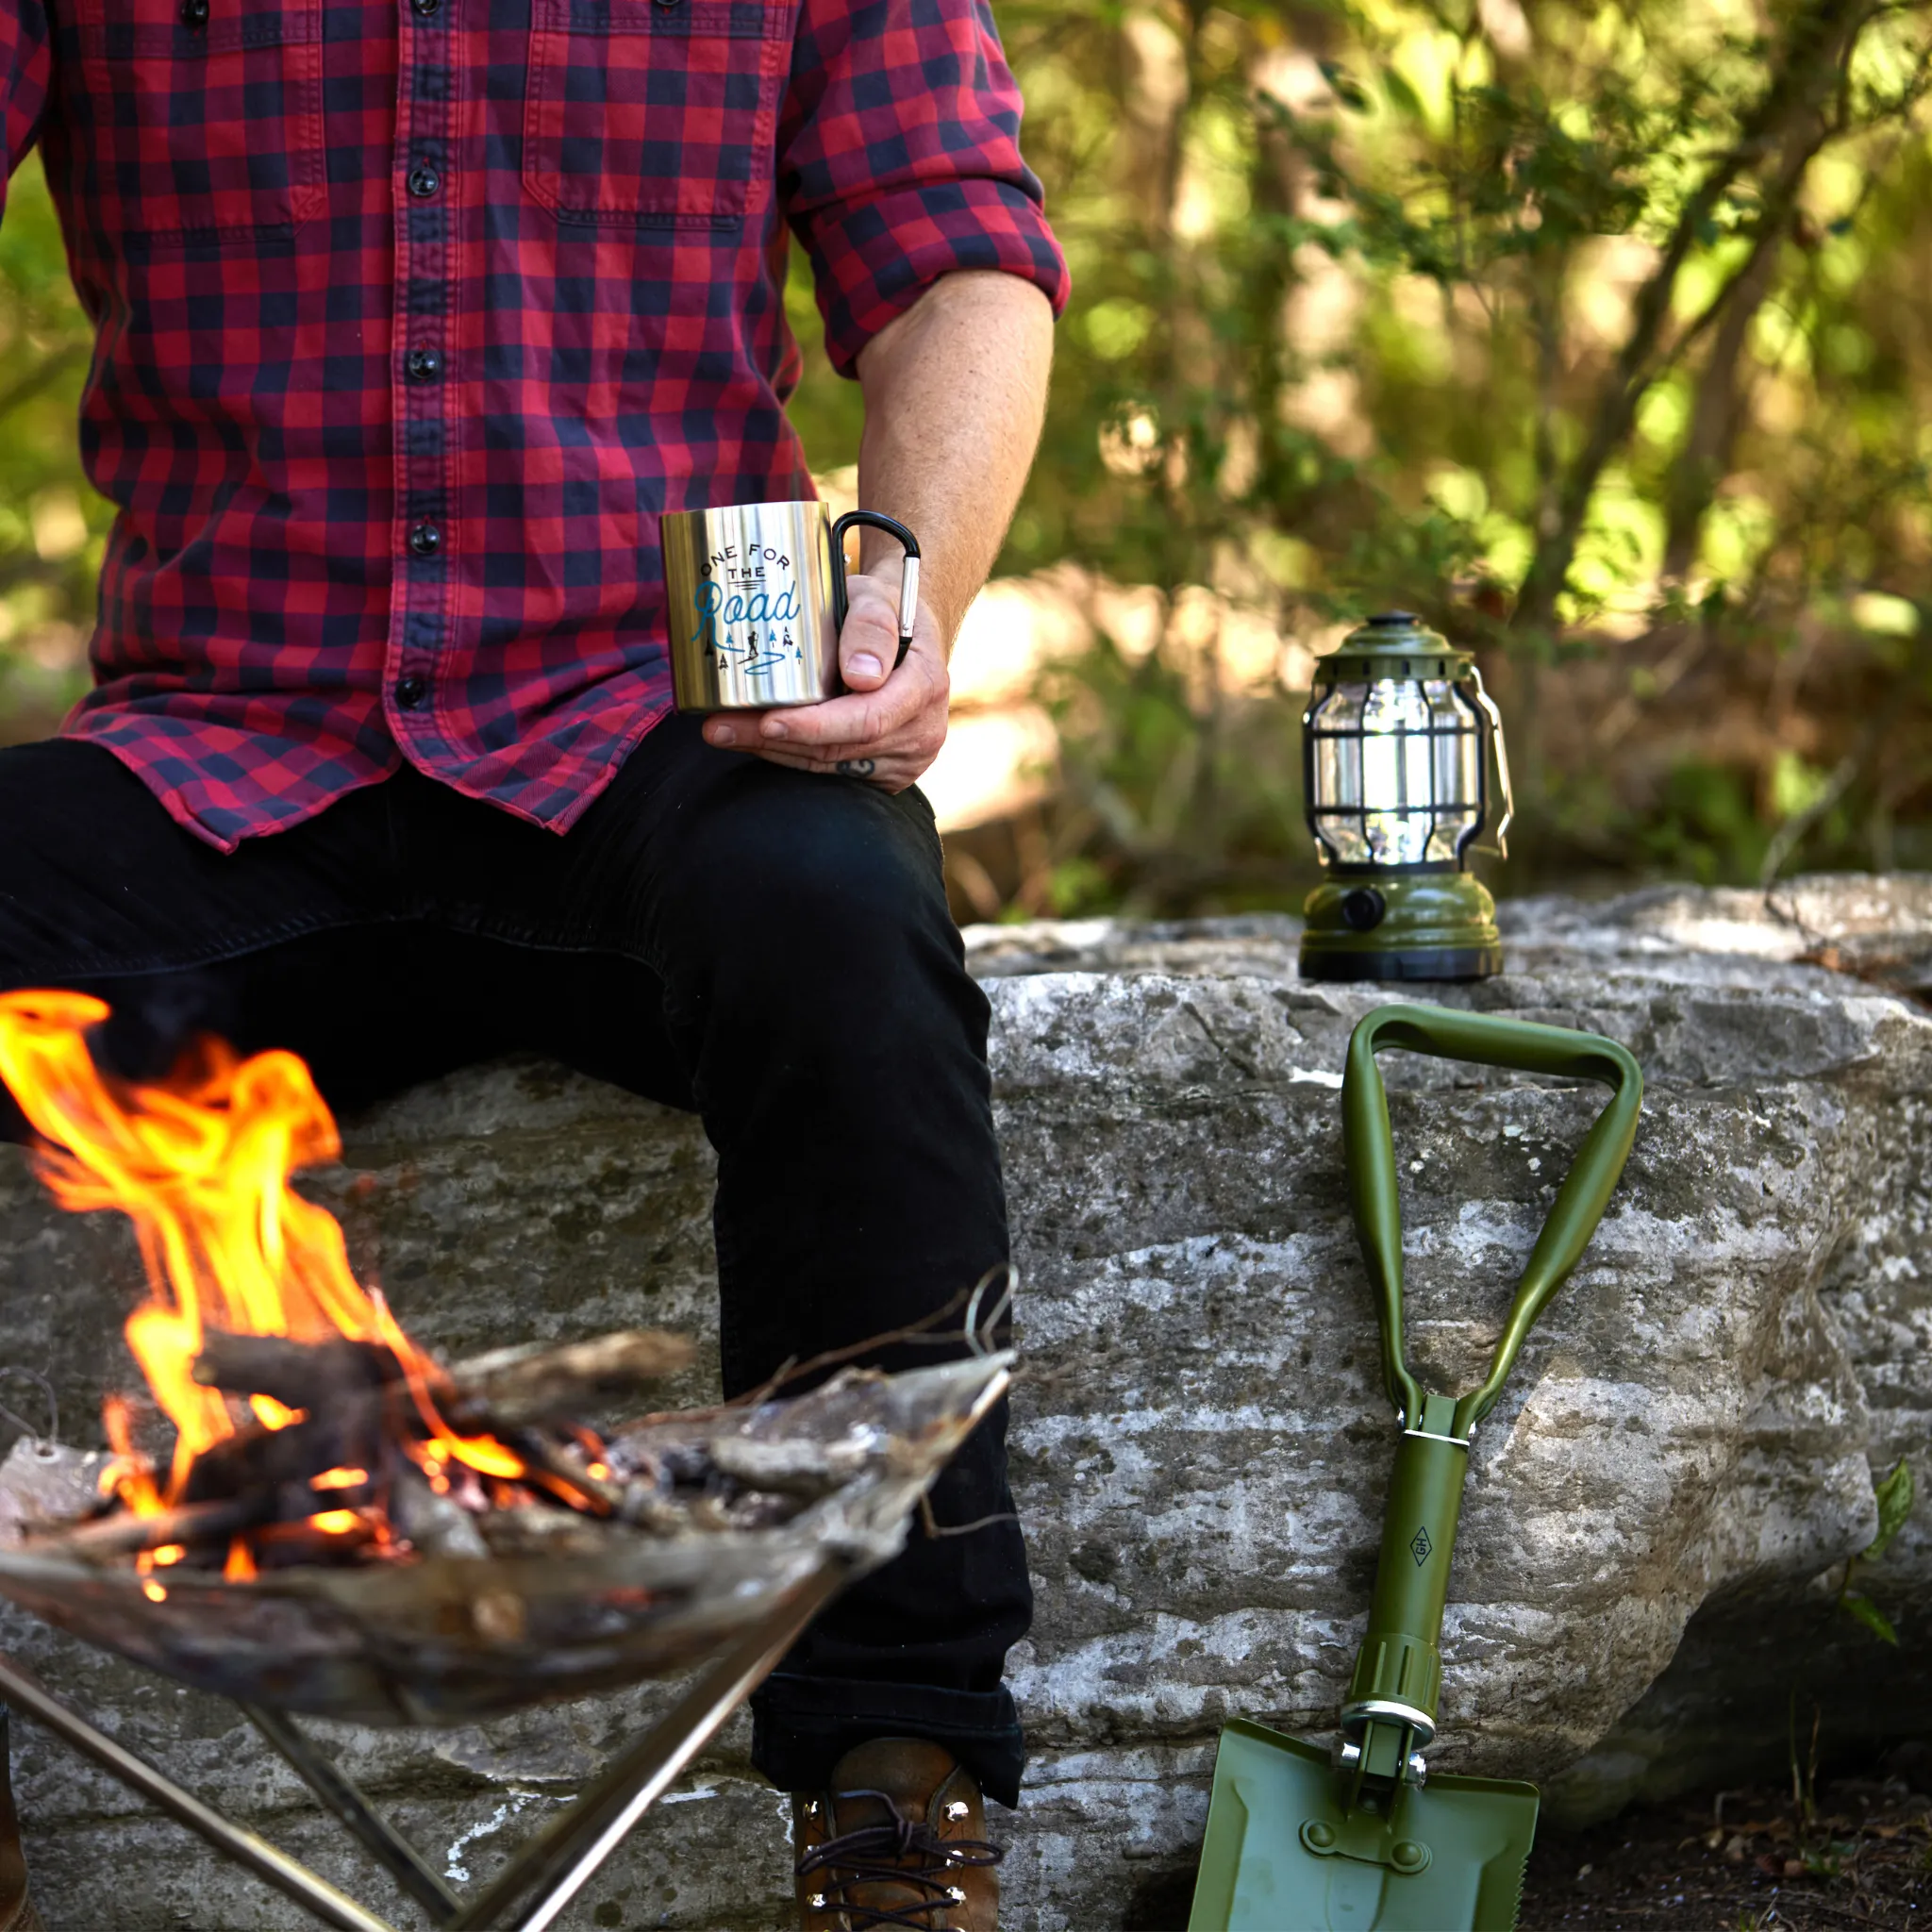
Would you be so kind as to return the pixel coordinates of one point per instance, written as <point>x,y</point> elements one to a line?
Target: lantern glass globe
<point>1397,771</point>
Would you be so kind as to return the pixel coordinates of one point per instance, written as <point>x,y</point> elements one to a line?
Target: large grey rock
<point>1679,1470</point>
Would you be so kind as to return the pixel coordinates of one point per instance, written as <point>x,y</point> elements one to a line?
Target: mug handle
<point>909,581</point>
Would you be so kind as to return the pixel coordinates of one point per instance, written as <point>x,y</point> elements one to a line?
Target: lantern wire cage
<point>1394,771</point>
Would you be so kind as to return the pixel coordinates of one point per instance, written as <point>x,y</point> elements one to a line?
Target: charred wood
<point>790,1468</point>
<point>299,1375</point>
<point>559,1466</point>
<point>539,1384</point>
<point>259,1458</point>
<point>540,1532</point>
<point>432,1524</point>
<point>109,1538</point>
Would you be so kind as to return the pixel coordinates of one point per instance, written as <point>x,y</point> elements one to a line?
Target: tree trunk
<point>1806,75</point>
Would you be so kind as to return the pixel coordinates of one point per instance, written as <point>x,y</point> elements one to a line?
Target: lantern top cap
<point>1367,650</point>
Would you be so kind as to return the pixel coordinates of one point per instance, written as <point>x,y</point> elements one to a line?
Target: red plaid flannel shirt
<point>414,315</point>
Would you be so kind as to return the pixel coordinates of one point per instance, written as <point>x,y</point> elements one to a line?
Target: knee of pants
<point>814,893</point>
<point>811,941</point>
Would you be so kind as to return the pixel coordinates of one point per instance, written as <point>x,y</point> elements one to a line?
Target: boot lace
<point>881,1855</point>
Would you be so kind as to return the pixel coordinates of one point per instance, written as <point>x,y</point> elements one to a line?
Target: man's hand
<point>983,341</point>
<point>890,725</point>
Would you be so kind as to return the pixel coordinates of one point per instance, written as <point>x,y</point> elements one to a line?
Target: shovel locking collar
<point>1296,1842</point>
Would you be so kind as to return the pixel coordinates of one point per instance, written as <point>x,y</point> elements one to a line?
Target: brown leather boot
<point>17,1912</point>
<point>898,1839</point>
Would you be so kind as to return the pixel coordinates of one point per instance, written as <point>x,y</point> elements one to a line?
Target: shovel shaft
<point>1398,1674</point>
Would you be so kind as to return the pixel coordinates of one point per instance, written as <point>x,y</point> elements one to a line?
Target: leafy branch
<point>1788,127</point>
<point>1894,1495</point>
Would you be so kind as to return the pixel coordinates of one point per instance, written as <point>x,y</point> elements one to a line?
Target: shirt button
<point>425,539</point>
<point>410,691</point>
<point>424,181</point>
<point>422,365</point>
<point>426,8</point>
<point>194,12</point>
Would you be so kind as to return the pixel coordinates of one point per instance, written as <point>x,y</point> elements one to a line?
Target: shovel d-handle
<point>1485,1040</point>
<point>1390,1711</point>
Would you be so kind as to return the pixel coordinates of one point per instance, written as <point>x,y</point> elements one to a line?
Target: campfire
<point>346,1524</point>
<point>308,1428</point>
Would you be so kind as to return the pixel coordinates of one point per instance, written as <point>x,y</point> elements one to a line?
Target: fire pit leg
<point>28,1696</point>
<point>379,1838</point>
<point>562,1858</point>
<point>558,1862</point>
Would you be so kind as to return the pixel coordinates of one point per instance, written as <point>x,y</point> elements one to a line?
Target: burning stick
<point>511,1387</point>
<point>542,1384</point>
<point>344,1387</point>
<point>109,1538</point>
<point>314,1375</point>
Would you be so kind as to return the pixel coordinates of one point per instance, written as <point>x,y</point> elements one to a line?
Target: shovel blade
<point>1257,1873</point>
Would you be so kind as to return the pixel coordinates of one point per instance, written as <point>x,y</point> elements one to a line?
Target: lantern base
<point>1401,926</point>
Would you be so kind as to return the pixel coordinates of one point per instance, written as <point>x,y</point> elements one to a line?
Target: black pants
<point>769,948</point>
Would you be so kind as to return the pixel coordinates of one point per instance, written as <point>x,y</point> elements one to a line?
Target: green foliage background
<point>1597,334</point>
<point>52,525</point>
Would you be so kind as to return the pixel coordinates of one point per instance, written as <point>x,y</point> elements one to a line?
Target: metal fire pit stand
<point>556,1864</point>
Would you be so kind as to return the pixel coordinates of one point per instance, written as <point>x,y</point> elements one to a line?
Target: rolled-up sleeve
<point>899,160</point>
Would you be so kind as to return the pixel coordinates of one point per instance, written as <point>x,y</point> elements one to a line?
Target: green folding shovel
<point>1302,1839</point>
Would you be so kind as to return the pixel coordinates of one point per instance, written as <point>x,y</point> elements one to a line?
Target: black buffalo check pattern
<point>415,315</point>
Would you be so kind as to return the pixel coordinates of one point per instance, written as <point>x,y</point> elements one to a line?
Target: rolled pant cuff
<point>801,1727</point>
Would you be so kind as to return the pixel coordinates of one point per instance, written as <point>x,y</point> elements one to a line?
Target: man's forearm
<point>955,391</point>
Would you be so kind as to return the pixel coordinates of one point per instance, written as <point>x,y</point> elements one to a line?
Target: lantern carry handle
<point>1485,1040</point>
<point>1496,718</point>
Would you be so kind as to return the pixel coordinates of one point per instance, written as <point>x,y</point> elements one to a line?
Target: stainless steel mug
<point>755,595</point>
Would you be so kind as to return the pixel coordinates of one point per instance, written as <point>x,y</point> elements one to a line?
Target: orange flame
<point>200,1163</point>
<point>128,1475</point>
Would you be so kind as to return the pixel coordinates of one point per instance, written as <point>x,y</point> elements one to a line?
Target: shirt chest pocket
<point>207,115</point>
<point>652,113</point>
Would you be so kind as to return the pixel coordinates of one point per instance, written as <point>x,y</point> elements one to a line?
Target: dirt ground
<point>1750,1860</point>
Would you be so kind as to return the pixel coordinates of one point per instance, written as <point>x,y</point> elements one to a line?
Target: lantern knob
<point>1395,619</point>
<point>1363,909</point>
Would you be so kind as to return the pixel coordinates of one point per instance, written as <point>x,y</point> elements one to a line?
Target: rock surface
<point>1679,1469</point>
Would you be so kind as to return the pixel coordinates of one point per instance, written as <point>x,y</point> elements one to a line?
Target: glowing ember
<point>200,1163</point>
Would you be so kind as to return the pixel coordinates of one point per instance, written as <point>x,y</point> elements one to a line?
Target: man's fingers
<point>917,686</point>
<point>883,697</point>
<point>860,718</point>
<point>886,736</point>
<point>856,719</point>
<point>856,722</point>
<point>919,739</point>
<point>737,729</point>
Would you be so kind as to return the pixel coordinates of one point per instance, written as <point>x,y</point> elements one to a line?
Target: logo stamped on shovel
<point>1419,1547</point>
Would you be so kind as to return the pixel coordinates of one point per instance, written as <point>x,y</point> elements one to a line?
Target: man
<point>412,320</point>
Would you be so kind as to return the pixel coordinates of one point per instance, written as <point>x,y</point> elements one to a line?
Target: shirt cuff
<point>871,259</point>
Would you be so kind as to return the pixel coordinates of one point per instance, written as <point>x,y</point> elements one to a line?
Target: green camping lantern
<point>1396,753</point>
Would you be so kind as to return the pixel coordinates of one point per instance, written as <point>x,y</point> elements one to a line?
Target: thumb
<point>869,644</point>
